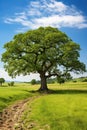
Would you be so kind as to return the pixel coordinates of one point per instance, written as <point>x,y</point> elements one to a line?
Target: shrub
<point>84,80</point>
<point>60,80</point>
<point>33,81</point>
<point>74,81</point>
<point>11,83</point>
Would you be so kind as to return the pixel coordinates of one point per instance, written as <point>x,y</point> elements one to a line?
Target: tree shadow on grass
<point>69,91</point>
<point>64,91</point>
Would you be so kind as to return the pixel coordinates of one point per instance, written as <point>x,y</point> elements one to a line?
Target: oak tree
<point>46,51</point>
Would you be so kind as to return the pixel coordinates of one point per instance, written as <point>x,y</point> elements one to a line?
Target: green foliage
<point>45,51</point>
<point>33,81</point>
<point>2,80</point>
<point>11,83</point>
<point>64,78</point>
<point>80,79</point>
<point>74,81</point>
<point>60,80</point>
<point>84,80</point>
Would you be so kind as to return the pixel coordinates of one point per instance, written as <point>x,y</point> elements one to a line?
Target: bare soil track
<point>9,118</point>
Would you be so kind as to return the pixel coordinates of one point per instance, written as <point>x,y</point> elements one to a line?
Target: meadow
<point>63,109</point>
<point>9,95</point>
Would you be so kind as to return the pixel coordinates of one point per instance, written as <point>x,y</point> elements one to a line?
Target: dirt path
<point>10,117</point>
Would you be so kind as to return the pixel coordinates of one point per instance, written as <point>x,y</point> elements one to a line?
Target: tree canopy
<point>46,51</point>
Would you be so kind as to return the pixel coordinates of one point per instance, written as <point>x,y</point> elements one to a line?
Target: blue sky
<point>16,16</point>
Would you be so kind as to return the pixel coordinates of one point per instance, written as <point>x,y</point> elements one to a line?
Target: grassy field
<point>58,112</point>
<point>8,95</point>
<point>64,109</point>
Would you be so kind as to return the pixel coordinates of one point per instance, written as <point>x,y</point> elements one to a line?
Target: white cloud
<point>83,25</point>
<point>55,20</point>
<point>49,12</point>
<point>27,78</point>
<point>33,12</point>
<point>56,7</point>
<point>79,75</point>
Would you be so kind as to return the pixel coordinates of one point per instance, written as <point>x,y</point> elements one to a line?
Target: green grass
<point>69,85</point>
<point>65,109</point>
<point>9,95</point>
<point>60,112</point>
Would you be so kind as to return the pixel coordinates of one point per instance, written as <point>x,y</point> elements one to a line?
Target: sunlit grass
<point>69,85</point>
<point>65,109</point>
<point>20,91</point>
<point>59,112</point>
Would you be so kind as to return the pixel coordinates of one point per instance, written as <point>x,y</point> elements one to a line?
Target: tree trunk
<point>43,82</point>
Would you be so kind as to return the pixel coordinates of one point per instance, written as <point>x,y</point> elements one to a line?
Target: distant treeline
<point>81,79</point>
<point>55,80</point>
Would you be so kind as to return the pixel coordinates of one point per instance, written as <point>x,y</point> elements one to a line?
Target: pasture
<point>63,109</point>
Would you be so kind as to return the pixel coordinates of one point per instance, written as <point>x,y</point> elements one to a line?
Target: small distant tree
<point>64,78</point>
<point>2,80</point>
<point>11,83</point>
<point>60,80</point>
<point>33,81</point>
